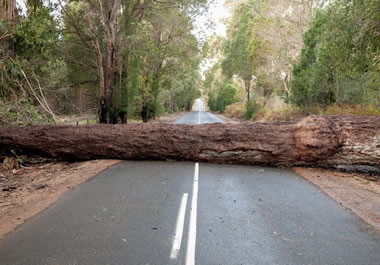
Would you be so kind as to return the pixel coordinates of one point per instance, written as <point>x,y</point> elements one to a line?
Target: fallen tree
<point>323,141</point>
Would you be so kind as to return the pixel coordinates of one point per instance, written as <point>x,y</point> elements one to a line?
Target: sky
<point>216,13</point>
<point>203,31</point>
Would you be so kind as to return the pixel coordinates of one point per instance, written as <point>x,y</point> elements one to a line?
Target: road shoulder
<point>360,193</point>
<point>27,191</point>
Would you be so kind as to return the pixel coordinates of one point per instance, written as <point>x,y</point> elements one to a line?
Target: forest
<point>139,59</point>
<point>119,59</point>
<point>283,58</point>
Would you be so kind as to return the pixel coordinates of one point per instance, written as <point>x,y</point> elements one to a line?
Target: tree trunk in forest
<point>110,17</point>
<point>247,86</point>
<point>285,80</point>
<point>320,141</point>
<point>124,97</point>
<point>7,10</point>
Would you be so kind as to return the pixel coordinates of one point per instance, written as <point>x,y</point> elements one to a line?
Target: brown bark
<point>109,18</point>
<point>323,141</point>
<point>8,10</point>
<point>247,86</point>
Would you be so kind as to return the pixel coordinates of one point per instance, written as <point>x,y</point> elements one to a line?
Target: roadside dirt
<point>359,193</point>
<point>25,192</point>
<point>226,119</point>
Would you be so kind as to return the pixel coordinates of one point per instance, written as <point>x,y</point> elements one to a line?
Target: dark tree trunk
<point>103,110</point>
<point>322,141</point>
<point>247,86</point>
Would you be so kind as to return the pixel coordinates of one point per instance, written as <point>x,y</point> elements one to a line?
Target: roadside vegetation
<point>116,59</point>
<point>288,59</point>
<point>124,60</point>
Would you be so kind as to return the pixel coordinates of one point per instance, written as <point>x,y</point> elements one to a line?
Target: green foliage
<point>29,46</point>
<point>238,47</point>
<point>224,96</point>
<point>21,112</point>
<point>134,84</point>
<point>180,94</point>
<point>340,61</point>
<point>36,35</point>
<point>251,110</point>
<point>212,102</point>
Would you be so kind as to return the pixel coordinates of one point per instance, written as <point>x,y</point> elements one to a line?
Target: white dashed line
<point>192,238</point>
<point>179,228</point>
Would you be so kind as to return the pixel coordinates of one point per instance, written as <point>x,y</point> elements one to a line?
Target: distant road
<point>163,213</point>
<point>199,116</point>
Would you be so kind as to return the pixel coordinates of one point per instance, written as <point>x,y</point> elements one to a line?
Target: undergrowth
<point>21,112</point>
<point>289,112</point>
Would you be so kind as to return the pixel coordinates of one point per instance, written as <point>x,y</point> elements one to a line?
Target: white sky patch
<point>21,6</point>
<point>288,12</point>
<point>211,22</point>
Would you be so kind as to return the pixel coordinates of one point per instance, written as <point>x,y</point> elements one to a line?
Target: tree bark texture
<point>320,141</point>
<point>8,10</point>
<point>106,94</point>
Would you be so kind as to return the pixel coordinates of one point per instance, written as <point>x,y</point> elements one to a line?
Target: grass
<point>83,122</point>
<point>289,112</point>
<point>345,109</point>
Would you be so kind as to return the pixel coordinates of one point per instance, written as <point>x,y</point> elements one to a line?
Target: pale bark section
<point>7,10</point>
<point>337,140</point>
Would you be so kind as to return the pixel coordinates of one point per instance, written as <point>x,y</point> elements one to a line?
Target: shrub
<point>21,112</point>
<point>344,109</point>
<point>251,110</point>
<point>236,110</point>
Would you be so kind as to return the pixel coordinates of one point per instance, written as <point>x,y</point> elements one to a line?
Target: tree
<point>339,63</point>
<point>151,24</point>
<point>28,60</point>
<point>236,48</point>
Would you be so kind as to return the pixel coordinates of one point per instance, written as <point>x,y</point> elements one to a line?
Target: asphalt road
<point>185,213</point>
<point>199,116</point>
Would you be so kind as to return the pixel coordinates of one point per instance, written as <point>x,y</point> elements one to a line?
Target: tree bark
<point>8,10</point>
<point>285,80</point>
<point>247,86</point>
<point>319,141</point>
<point>110,17</point>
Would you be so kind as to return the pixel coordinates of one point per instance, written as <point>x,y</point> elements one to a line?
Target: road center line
<point>179,228</point>
<point>190,255</point>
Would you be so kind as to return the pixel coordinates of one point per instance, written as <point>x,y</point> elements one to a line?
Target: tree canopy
<point>117,57</point>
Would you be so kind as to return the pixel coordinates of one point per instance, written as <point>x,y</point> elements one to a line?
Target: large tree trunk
<point>106,94</point>
<point>323,141</point>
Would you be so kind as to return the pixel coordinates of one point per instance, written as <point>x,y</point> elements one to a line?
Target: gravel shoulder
<point>226,119</point>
